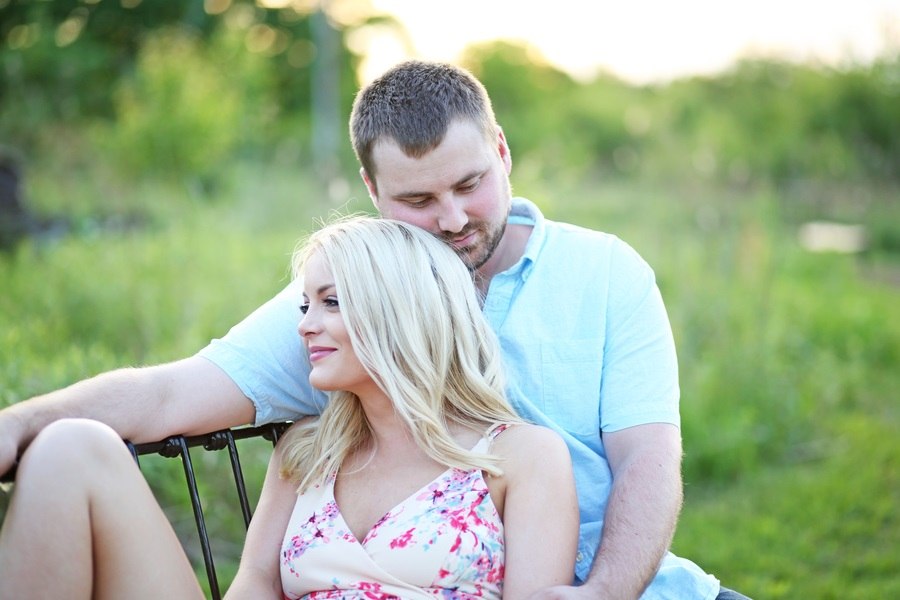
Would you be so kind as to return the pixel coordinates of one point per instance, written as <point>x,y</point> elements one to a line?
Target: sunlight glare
<point>647,40</point>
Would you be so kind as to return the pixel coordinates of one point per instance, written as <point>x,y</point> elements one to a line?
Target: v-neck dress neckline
<point>445,539</point>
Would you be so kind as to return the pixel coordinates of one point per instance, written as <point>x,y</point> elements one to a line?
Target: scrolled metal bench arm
<point>179,446</point>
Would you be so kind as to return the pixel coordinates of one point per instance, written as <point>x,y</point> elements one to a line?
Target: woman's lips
<point>319,352</point>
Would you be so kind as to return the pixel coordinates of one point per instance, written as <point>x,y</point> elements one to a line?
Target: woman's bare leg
<point>83,523</point>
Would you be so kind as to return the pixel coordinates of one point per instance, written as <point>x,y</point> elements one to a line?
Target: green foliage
<point>145,293</point>
<point>41,85</point>
<point>162,82</point>
<point>60,59</point>
<point>780,121</point>
<point>553,123</point>
<point>761,121</point>
<point>524,92</point>
<point>178,115</point>
<point>790,361</point>
<point>822,529</point>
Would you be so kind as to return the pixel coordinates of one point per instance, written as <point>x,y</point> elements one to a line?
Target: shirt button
<point>579,557</point>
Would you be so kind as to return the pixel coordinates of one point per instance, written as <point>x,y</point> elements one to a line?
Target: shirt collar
<point>525,212</point>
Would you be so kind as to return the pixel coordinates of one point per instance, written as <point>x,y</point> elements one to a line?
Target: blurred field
<point>172,162</point>
<point>789,359</point>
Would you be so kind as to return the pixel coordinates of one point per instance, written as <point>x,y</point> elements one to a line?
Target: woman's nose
<point>306,326</point>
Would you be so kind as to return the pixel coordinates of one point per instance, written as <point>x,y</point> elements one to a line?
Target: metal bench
<point>179,446</point>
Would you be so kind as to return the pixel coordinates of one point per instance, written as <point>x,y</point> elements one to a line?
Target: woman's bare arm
<point>259,574</point>
<point>540,510</point>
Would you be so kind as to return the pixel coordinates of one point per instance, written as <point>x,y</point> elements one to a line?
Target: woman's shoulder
<point>519,432</point>
<point>525,443</point>
<point>298,429</point>
<point>302,424</point>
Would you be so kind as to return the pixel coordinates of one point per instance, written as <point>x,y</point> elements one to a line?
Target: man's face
<point>459,191</point>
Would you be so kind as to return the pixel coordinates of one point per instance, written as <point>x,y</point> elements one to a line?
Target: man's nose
<point>452,217</point>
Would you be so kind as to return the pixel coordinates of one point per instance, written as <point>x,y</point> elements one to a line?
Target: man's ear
<point>503,149</point>
<point>370,185</point>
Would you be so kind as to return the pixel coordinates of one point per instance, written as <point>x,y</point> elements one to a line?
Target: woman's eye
<point>304,308</point>
<point>331,302</point>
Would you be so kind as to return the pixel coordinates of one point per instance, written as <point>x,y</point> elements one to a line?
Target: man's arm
<point>142,404</point>
<point>639,400</point>
<point>642,511</point>
<point>641,514</point>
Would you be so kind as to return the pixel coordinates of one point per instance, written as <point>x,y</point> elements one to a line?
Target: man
<point>586,340</point>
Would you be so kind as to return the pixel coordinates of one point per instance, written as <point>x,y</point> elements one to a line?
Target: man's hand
<point>565,592</point>
<point>9,443</point>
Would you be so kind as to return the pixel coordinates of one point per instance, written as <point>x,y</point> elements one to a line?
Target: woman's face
<point>335,365</point>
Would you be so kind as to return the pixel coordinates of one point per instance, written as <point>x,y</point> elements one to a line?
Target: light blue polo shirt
<point>587,348</point>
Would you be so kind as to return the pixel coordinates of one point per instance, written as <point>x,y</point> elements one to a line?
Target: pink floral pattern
<point>318,530</point>
<point>444,541</point>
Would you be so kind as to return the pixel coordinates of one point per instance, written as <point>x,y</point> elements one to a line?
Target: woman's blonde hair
<point>415,322</point>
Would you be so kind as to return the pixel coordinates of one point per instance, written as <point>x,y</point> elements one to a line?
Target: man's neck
<point>508,252</point>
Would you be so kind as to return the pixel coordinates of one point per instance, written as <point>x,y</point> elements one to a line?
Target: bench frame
<point>180,445</point>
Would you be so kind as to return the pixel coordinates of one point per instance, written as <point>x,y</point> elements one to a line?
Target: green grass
<point>790,361</point>
<point>105,296</point>
<point>825,528</point>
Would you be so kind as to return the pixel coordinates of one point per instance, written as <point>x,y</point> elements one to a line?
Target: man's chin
<point>476,262</point>
<point>465,253</point>
<point>473,255</point>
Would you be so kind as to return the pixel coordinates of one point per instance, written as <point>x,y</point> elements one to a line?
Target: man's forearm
<point>640,521</point>
<point>121,399</point>
<point>188,396</point>
<point>113,398</point>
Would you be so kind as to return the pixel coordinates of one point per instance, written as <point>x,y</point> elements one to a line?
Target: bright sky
<point>645,40</point>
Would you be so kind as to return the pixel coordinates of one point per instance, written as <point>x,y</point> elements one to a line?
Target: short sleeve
<point>263,355</point>
<point>640,368</point>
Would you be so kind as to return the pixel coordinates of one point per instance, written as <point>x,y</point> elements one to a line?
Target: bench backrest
<point>179,446</point>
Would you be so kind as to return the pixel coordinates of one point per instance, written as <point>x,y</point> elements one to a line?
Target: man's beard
<point>485,250</point>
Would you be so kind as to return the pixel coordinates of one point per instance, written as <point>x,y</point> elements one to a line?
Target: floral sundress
<point>443,541</point>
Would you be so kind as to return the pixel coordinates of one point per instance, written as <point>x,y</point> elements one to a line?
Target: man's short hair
<point>414,103</point>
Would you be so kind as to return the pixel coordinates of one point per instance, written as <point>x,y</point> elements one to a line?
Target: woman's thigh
<point>84,523</point>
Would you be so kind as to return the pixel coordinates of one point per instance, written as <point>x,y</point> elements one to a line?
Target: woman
<point>418,480</point>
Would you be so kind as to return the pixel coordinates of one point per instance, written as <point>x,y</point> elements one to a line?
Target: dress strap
<point>490,434</point>
<point>496,429</point>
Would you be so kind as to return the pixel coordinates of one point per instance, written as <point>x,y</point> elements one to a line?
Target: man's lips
<point>462,242</point>
<point>319,352</point>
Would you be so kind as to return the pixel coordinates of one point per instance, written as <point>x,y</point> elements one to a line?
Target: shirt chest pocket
<point>570,376</point>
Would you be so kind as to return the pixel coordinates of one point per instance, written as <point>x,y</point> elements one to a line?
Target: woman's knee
<point>76,431</point>
<point>72,441</point>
